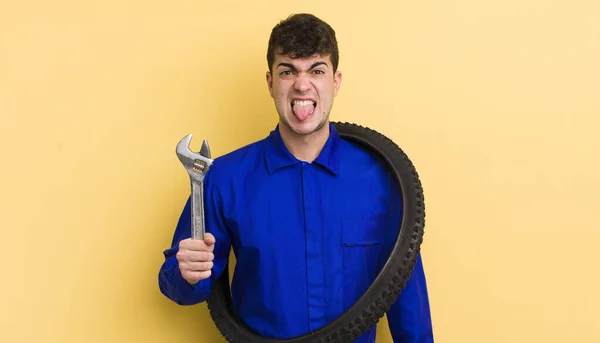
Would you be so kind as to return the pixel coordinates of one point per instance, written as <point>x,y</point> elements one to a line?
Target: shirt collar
<point>277,155</point>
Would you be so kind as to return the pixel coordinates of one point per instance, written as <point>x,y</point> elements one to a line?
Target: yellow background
<point>496,102</point>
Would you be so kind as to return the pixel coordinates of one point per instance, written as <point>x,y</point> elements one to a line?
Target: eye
<point>286,72</point>
<point>319,71</point>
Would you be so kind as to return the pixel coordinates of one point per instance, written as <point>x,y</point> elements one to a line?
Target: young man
<point>311,217</point>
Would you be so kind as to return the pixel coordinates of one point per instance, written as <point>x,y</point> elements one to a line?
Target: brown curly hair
<point>302,35</point>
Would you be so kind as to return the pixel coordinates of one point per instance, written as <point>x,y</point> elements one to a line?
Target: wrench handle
<point>197,210</point>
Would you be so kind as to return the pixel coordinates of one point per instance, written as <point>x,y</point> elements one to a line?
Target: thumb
<point>209,239</point>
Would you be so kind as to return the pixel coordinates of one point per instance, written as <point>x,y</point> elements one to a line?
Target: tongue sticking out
<point>303,109</point>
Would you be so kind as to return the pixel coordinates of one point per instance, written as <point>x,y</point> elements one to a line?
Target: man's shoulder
<point>353,152</point>
<point>355,155</point>
<point>242,155</point>
<point>233,164</point>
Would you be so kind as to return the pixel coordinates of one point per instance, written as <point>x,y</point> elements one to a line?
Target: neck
<point>304,147</point>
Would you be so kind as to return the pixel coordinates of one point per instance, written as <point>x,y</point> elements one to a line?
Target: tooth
<point>303,102</point>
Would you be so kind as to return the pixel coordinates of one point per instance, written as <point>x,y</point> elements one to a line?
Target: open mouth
<point>303,108</point>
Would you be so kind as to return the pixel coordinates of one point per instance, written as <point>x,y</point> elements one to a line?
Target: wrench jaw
<point>196,165</point>
<point>205,149</point>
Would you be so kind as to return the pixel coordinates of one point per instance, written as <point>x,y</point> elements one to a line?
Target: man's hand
<point>195,258</point>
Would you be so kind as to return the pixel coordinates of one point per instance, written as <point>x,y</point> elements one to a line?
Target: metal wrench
<point>196,164</point>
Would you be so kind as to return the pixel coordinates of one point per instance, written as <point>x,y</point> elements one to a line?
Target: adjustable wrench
<point>197,165</point>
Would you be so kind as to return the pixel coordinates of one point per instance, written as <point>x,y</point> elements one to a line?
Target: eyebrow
<point>291,66</point>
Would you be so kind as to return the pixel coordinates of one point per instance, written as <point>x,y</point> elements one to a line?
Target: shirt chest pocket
<point>357,232</point>
<point>362,240</point>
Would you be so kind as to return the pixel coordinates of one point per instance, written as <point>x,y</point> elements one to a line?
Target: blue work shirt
<point>309,238</point>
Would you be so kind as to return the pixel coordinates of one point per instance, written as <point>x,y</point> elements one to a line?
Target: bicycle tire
<point>383,292</point>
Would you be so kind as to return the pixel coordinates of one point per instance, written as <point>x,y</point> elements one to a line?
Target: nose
<point>302,83</point>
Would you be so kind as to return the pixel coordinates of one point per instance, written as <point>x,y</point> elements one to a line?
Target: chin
<point>304,131</point>
<point>306,128</point>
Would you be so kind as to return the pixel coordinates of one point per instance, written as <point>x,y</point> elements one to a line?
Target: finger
<point>199,266</point>
<point>209,239</point>
<point>184,243</point>
<point>187,256</point>
<point>196,276</point>
<point>199,256</point>
<point>194,245</point>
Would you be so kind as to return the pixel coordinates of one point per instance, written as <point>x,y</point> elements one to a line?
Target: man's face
<point>303,91</point>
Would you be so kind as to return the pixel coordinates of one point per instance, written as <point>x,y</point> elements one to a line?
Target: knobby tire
<point>383,292</point>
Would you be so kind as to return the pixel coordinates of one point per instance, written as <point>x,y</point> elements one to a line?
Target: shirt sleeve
<point>409,318</point>
<point>171,282</point>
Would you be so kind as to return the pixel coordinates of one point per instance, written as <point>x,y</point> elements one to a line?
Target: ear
<point>337,82</point>
<point>269,77</point>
